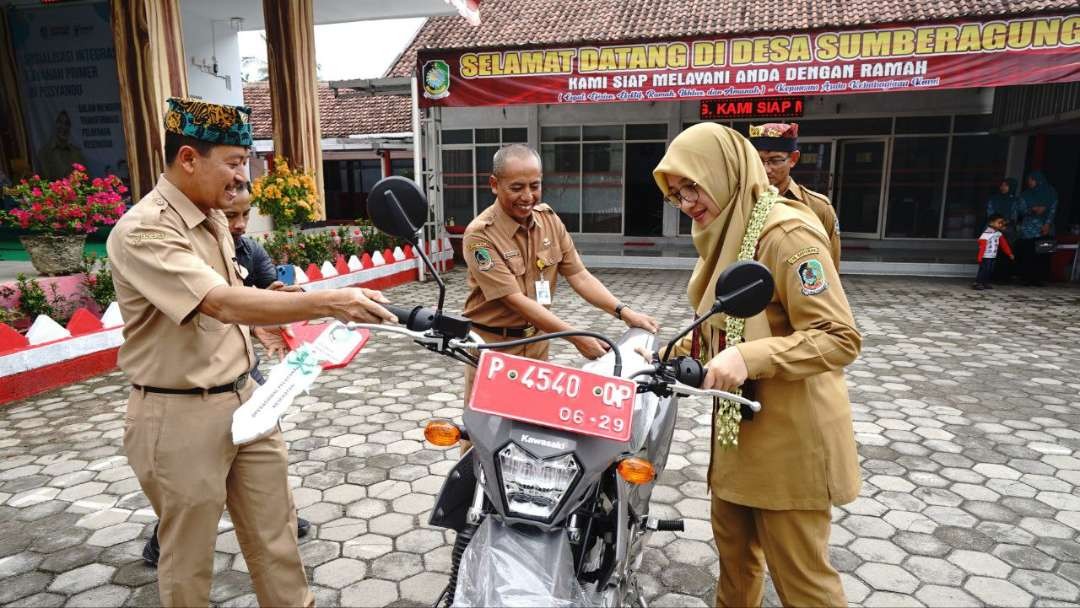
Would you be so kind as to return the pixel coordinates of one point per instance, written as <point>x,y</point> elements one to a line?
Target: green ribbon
<point>303,361</point>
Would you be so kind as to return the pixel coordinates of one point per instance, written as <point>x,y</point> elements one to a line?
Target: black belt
<point>235,386</point>
<point>527,331</point>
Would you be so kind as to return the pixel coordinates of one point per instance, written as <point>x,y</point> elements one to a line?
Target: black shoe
<point>302,527</point>
<point>152,550</point>
<point>987,286</point>
<point>977,287</point>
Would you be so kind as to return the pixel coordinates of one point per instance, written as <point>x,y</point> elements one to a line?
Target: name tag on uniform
<point>543,292</point>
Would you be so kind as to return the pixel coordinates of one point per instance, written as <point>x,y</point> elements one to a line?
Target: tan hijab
<point>726,167</point>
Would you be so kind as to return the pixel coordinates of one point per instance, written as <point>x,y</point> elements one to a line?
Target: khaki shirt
<point>166,255</point>
<point>504,258</point>
<point>823,209</point>
<point>799,451</point>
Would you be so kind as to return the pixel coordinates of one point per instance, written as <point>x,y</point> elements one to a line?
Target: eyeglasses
<point>776,161</point>
<point>686,192</point>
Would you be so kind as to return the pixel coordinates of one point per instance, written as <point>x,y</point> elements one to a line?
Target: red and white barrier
<point>50,356</point>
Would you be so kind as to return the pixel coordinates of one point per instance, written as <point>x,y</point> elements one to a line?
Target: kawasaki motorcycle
<point>551,503</point>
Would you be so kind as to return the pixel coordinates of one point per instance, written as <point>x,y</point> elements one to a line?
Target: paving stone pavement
<point>966,407</point>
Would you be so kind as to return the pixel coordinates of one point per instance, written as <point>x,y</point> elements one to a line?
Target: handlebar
<point>417,318</point>
<point>685,368</point>
<point>683,376</point>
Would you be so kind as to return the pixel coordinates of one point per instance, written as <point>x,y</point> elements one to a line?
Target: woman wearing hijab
<point>774,478</point>
<point>1005,202</point>
<point>1037,210</point>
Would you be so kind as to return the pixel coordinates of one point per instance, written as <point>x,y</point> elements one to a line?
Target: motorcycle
<point>551,502</point>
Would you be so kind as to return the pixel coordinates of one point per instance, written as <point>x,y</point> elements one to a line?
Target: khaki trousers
<point>180,447</point>
<point>794,544</point>
<point>536,350</point>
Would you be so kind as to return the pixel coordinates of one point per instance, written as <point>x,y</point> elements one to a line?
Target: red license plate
<point>553,396</point>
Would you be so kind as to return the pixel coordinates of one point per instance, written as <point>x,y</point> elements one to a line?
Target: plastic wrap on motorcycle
<point>452,506</point>
<point>507,566</point>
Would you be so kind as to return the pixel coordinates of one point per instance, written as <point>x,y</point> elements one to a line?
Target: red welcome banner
<point>960,54</point>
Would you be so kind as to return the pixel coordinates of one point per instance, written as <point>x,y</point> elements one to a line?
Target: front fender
<point>452,505</point>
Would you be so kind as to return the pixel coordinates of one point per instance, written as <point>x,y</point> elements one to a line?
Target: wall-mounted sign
<point>769,107</point>
<point>877,59</point>
<point>66,64</point>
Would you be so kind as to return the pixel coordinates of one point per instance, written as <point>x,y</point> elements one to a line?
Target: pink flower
<point>78,167</point>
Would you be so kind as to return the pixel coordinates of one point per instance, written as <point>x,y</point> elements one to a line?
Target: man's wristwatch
<point>618,310</point>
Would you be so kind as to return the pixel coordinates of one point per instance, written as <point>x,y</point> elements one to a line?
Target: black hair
<point>995,217</point>
<point>175,141</point>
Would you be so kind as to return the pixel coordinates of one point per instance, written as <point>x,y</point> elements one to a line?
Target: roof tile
<point>339,116</point>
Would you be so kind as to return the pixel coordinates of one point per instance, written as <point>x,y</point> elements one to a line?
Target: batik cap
<point>775,137</point>
<point>210,122</point>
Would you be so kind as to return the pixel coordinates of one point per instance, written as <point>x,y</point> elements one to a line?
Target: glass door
<point>860,187</point>
<point>642,201</point>
<point>815,168</point>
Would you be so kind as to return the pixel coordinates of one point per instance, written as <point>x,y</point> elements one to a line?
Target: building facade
<point>904,141</point>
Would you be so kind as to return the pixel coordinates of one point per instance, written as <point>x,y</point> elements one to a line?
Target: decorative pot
<point>54,255</point>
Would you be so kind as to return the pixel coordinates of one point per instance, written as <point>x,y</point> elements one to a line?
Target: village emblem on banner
<point>436,79</point>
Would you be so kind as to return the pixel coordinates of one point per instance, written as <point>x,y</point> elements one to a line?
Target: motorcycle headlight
<point>534,487</point>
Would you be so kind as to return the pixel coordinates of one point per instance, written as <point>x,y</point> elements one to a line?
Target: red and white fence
<point>50,355</point>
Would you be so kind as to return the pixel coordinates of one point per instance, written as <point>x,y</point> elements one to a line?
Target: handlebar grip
<point>400,312</point>
<point>670,525</point>
<point>689,371</point>
<point>416,318</point>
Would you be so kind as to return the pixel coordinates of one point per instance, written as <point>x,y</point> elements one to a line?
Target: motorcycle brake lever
<point>690,391</point>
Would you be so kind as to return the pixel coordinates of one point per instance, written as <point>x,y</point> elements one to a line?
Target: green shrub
<point>97,281</point>
<point>33,301</point>
<point>300,248</point>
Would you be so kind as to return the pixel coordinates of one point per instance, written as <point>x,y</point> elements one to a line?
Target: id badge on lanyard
<point>543,293</point>
<point>543,288</point>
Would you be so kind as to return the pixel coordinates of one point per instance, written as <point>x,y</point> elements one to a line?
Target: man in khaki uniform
<point>778,147</point>
<point>515,250</point>
<point>773,489</point>
<point>187,352</point>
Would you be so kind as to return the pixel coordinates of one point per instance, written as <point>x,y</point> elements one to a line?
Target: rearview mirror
<point>744,289</point>
<point>398,207</point>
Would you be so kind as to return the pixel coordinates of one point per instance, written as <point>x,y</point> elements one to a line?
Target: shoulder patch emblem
<point>812,278</point>
<point>802,253</point>
<point>484,261</point>
<point>138,237</point>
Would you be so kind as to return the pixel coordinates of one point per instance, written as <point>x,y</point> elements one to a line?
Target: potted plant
<point>59,214</point>
<point>287,195</point>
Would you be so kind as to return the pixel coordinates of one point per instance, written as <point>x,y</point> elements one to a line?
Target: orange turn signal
<point>636,470</point>
<point>442,433</point>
